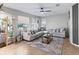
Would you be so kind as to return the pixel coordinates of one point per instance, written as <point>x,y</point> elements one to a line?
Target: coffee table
<point>47,38</point>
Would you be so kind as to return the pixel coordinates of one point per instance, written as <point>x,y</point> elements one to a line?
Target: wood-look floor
<point>69,49</point>
<point>23,49</point>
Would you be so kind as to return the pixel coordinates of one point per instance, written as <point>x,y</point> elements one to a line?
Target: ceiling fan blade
<point>42,11</point>
<point>47,10</point>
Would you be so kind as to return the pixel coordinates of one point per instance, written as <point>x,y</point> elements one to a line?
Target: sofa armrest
<point>26,36</point>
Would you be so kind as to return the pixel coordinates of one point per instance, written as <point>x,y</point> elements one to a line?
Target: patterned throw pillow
<point>59,30</point>
<point>55,30</point>
<point>31,32</point>
<point>62,29</point>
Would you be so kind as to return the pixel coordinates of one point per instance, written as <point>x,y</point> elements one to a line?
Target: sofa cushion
<point>32,32</point>
<point>62,29</point>
<point>45,32</point>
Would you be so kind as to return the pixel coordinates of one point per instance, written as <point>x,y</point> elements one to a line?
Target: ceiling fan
<point>47,9</point>
<point>44,10</point>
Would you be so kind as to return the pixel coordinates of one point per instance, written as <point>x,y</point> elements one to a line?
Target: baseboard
<point>74,44</point>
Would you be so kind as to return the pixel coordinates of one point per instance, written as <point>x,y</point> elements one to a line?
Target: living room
<point>36,28</point>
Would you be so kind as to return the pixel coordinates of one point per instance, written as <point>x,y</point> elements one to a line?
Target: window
<point>23,22</point>
<point>22,19</point>
<point>35,23</point>
<point>43,22</point>
<point>3,27</point>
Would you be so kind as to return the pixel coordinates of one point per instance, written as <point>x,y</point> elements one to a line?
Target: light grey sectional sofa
<point>29,37</point>
<point>54,32</point>
<point>60,32</point>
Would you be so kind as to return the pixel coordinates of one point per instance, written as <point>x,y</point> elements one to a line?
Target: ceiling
<point>34,8</point>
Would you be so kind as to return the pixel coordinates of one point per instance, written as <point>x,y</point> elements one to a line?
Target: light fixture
<point>42,13</point>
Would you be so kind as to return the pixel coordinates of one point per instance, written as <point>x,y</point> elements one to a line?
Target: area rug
<point>54,48</point>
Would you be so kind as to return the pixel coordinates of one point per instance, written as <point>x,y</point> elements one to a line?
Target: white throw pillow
<point>45,32</point>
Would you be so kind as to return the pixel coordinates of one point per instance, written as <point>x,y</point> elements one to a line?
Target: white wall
<point>70,27</point>
<point>57,21</point>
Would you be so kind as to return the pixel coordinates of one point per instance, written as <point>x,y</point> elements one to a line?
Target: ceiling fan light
<point>42,13</point>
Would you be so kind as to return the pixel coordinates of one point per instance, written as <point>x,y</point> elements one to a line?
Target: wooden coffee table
<point>46,38</point>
